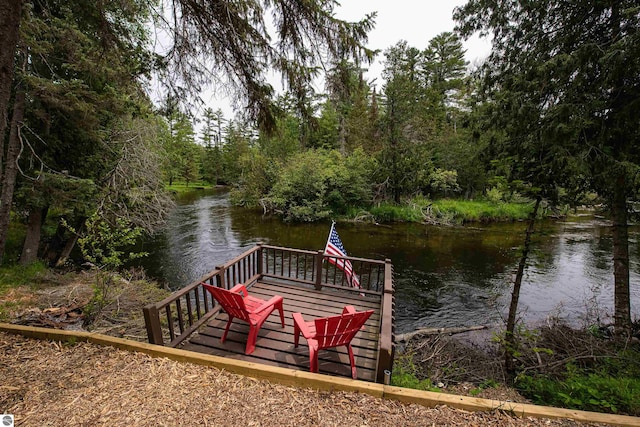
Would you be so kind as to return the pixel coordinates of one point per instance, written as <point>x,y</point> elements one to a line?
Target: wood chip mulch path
<point>46,383</point>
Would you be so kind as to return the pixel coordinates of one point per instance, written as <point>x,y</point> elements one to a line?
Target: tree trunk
<point>32,239</point>
<point>66,251</point>
<point>54,246</point>
<point>622,302</point>
<point>11,170</point>
<point>10,14</point>
<point>63,243</point>
<point>510,337</point>
<point>342,135</point>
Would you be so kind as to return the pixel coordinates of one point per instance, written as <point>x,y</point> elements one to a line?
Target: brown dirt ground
<point>45,383</point>
<point>48,383</point>
<point>59,301</point>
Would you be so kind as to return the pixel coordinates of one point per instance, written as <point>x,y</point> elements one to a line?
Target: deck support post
<point>386,346</point>
<point>152,321</point>
<point>221,273</point>
<point>318,276</point>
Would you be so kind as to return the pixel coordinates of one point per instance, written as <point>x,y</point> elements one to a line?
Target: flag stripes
<point>335,247</point>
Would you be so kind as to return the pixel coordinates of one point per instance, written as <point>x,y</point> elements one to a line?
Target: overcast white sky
<point>415,21</point>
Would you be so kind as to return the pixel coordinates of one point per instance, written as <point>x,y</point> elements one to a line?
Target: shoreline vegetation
<point>450,211</point>
<point>419,209</point>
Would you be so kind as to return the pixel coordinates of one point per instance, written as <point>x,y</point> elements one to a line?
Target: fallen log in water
<point>437,331</point>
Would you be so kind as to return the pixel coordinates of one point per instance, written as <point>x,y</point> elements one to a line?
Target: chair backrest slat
<point>232,303</point>
<point>339,330</point>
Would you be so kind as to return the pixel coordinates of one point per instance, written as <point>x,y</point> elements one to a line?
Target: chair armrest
<point>304,329</point>
<point>348,309</point>
<point>266,304</point>
<point>240,289</point>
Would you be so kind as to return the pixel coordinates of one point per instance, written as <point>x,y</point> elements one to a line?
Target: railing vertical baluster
<point>197,293</point>
<point>260,261</point>
<point>205,297</point>
<point>254,262</point>
<point>282,262</point>
<point>275,261</point>
<point>233,273</point>
<point>180,317</point>
<point>289,266</point>
<point>335,272</point>
<point>304,275</point>
<point>318,270</point>
<point>189,309</point>
<point>273,257</point>
<point>172,333</point>
<point>326,274</point>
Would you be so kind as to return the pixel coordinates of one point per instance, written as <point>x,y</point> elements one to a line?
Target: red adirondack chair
<point>237,302</point>
<point>329,332</point>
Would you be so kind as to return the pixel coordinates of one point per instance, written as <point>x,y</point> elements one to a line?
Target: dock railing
<point>175,318</point>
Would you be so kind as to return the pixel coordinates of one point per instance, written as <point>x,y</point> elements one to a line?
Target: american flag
<point>335,247</point>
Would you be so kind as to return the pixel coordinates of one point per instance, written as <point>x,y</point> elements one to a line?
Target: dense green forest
<point>551,116</point>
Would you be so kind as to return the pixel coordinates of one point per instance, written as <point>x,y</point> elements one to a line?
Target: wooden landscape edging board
<point>302,379</point>
<point>305,379</point>
<point>428,398</point>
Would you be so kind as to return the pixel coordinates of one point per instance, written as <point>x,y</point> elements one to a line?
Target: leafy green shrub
<point>405,375</point>
<point>444,182</point>
<point>494,195</point>
<point>597,391</point>
<point>316,184</point>
<point>103,245</point>
<point>258,175</point>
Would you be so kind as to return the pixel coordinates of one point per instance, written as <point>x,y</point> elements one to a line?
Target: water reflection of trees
<point>443,275</point>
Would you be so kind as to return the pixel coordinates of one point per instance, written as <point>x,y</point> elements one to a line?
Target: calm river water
<point>445,276</point>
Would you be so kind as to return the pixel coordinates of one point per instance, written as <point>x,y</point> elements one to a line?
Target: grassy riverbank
<point>446,211</point>
<point>180,187</point>
<point>417,209</point>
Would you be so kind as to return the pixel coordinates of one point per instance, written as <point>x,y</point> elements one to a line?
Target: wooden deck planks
<point>275,344</point>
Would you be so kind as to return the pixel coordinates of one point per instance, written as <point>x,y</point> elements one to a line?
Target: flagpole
<point>333,224</point>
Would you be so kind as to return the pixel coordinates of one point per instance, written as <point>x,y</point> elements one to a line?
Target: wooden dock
<point>275,344</point>
<point>191,320</point>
